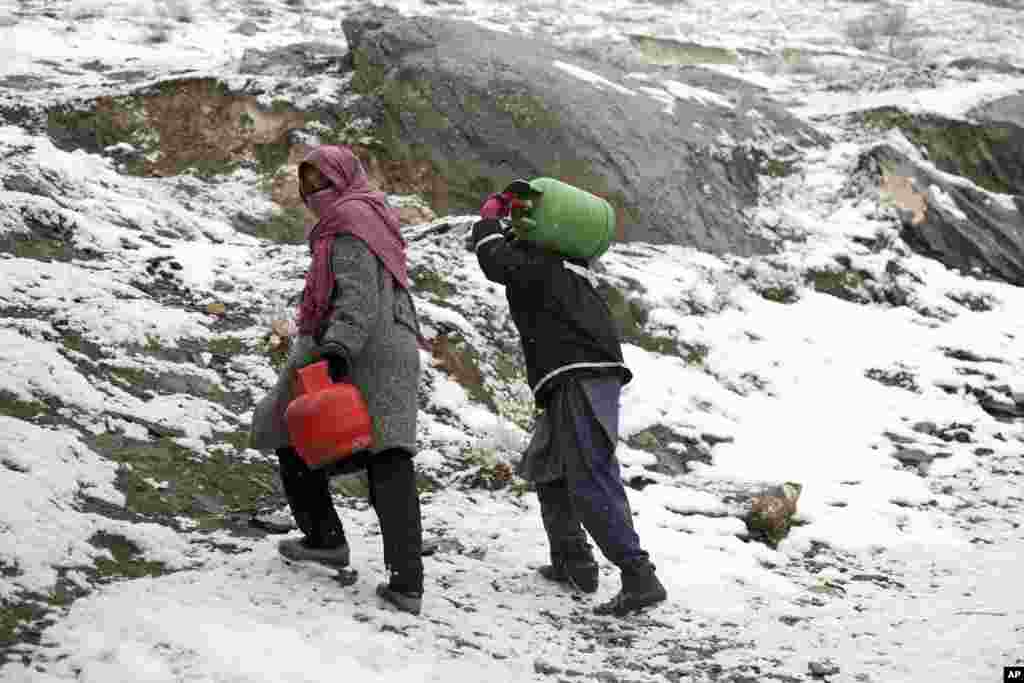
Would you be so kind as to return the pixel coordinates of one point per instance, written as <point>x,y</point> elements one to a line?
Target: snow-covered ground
<point>895,571</point>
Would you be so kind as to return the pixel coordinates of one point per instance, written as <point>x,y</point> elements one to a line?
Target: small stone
<point>545,669</point>
<point>15,466</point>
<point>898,438</point>
<point>715,439</point>
<point>823,668</point>
<point>913,456</point>
<point>248,28</point>
<point>346,577</point>
<point>20,182</point>
<point>217,309</point>
<point>223,286</point>
<point>926,427</point>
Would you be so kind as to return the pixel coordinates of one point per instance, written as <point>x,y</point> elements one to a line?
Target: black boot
<point>572,564</point>
<point>335,554</point>
<point>402,594</point>
<point>640,588</point>
<point>572,561</point>
<point>309,497</point>
<point>394,496</point>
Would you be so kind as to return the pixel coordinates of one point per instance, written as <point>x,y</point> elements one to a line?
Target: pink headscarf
<point>349,206</point>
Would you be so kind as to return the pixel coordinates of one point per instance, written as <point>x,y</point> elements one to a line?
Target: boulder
<point>676,156</point>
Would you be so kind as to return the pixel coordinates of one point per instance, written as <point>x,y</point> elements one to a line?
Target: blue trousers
<point>580,487</point>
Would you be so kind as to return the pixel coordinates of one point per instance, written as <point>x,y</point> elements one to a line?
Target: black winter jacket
<point>564,324</point>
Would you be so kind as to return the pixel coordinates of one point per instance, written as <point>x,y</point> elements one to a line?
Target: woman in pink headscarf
<point>356,311</point>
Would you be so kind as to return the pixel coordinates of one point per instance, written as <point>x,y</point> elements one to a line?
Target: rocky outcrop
<point>990,153</point>
<point>477,109</point>
<point>952,221</point>
<point>1004,110</point>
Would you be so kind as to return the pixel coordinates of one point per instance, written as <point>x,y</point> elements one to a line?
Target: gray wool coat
<point>374,321</point>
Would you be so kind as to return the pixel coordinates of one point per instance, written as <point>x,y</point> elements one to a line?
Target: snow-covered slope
<point>134,343</point>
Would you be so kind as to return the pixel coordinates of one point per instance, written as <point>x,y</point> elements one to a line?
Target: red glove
<point>498,205</point>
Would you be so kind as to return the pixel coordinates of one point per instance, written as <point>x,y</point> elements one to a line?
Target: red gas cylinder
<point>327,422</point>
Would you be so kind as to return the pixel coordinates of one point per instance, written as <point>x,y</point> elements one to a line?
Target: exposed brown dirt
<point>198,122</point>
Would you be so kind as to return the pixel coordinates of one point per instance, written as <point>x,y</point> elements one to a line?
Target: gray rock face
<point>1004,110</point>
<point>963,227</point>
<point>293,61</point>
<point>483,108</point>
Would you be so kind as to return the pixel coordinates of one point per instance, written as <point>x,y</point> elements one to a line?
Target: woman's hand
<point>306,352</point>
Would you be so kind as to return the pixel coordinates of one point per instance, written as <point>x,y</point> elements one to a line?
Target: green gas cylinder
<point>562,218</point>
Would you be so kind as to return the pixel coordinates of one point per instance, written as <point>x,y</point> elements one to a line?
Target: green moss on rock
<point>272,156</point>
<point>426,280</point>
<point>527,111</point>
<point>76,342</point>
<point>630,317</point>
<point>101,127</point>
<point>136,378</point>
<point>844,284</point>
<point>666,51</point>
<point>126,560</point>
<point>12,406</point>
<point>695,354</point>
<point>352,486</point>
<point>192,480</point>
<point>966,149</point>
<point>778,168</point>
<point>226,346</point>
<point>16,617</point>
<point>40,246</point>
<point>781,294</point>
<point>239,439</point>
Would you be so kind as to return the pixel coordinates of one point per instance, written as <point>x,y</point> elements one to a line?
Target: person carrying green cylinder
<point>561,218</point>
<point>576,370</point>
